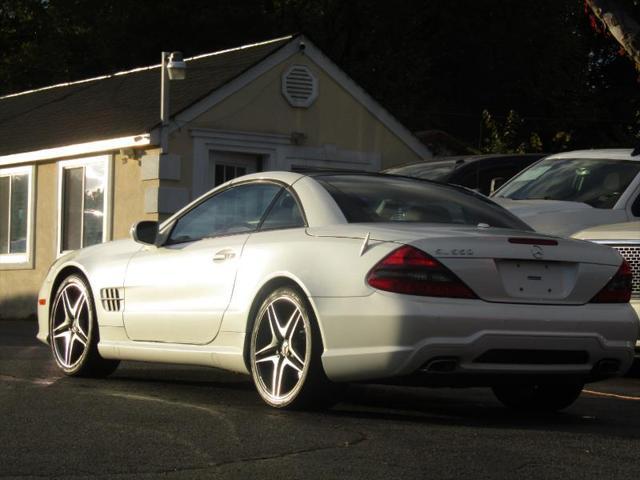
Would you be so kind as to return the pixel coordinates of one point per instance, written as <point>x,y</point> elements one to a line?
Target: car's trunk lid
<point>502,265</point>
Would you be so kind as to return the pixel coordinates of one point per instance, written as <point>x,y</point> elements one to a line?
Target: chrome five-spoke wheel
<point>285,352</point>
<point>281,349</point>
<point>71,320</point>
<point>73,334</point>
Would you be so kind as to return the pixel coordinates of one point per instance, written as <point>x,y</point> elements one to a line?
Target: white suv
<point>625,238</point>
<point>568,192</point>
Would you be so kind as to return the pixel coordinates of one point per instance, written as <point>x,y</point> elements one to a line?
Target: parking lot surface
<point>153,420</point>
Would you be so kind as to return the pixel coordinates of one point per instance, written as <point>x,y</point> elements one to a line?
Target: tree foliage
<point>620,20</point>
<point>436,64</point>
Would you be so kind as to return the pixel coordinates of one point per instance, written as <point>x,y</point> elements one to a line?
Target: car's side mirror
<point>145,232</point>
<point>496,183</point>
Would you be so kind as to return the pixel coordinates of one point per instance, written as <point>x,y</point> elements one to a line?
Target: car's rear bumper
<point>387,335</point>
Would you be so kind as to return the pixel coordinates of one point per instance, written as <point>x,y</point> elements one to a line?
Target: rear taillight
<point>618,290</point>
<point>411,271</point>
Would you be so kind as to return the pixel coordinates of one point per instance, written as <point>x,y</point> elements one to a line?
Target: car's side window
<point>285,213</point>
<point>468,178</point>
<point>504,171</point>
<point>235,210</point>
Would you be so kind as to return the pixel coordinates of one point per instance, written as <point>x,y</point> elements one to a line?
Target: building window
<point>225,166</point>
<point>84,203</point>
<point>16,216</point>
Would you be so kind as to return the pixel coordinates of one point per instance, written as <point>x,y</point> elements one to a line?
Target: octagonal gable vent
<point>299,86</point>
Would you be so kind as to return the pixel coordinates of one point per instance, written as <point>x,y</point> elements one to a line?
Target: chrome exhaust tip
<point>441,365</point>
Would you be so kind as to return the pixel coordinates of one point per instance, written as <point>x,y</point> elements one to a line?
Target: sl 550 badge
<point>457,252</point>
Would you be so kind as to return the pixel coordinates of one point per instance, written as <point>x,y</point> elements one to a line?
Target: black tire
<point>73,331</point>
<point>542,397</point>
<point>293,350</point>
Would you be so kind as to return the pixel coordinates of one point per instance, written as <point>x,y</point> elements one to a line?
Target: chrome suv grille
<point>631,253</point>
<point>111,299</point>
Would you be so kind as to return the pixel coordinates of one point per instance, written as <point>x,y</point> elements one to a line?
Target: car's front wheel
<point>74,331</point>
<point>548,397</point>
<point>285,353</point>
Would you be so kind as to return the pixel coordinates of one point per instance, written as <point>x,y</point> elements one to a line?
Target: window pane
<point>19,214</point>
<point>4,214</point>
<point>219,175</point>
<point>236,210</point>
<point>94,184</point>
<point>284,214</point>
<point>72,214</point>
<point>229,172</point>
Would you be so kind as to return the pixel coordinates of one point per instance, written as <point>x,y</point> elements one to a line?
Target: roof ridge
<point>142,69</point>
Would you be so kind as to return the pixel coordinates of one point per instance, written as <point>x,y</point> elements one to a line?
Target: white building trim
<point>206,140</point>
<point>105,145</point>
<point>107,219</point>
<point>22,261</point>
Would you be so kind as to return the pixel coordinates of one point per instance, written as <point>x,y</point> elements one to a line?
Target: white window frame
<point>107,223</point>
<point>206,141</point>
<point>16,261</point>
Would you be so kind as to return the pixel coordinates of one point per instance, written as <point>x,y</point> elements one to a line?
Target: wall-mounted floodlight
<point>173,67</point>
<point>176,66</point>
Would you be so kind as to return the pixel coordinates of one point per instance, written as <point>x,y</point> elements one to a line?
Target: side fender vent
<point>112,299</point>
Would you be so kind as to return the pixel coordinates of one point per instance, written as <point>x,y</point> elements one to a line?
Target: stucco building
<point>81,162</point>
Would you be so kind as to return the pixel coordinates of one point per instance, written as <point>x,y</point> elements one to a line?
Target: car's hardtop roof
<point>290,178</point>
<point>599,153</point>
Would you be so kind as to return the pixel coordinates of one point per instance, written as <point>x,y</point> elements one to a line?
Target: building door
<point>225,166</point>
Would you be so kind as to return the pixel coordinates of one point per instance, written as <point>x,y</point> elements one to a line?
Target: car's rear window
<point>386,198</point>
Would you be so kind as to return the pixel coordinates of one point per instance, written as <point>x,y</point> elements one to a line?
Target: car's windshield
<point>427,170</point>
<point>385,198</point>
<point>596,182</point>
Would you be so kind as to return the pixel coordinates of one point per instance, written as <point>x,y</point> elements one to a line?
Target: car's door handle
<point>223,255</point>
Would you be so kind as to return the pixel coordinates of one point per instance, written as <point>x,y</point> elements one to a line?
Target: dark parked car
<point>478,172</point>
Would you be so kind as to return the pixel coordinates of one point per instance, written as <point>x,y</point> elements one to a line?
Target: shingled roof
<point>118,105</point>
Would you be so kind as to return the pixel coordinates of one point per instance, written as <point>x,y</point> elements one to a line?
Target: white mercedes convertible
<point>307,282</point>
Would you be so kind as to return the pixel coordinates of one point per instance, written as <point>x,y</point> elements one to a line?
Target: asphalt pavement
<point>161,421</point>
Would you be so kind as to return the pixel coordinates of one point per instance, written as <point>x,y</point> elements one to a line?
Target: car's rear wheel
<point>74,332</point>
<point>285,353</point>
<point>548,397</point>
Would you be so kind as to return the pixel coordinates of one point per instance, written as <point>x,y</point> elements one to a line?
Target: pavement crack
<point>361,438</point>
